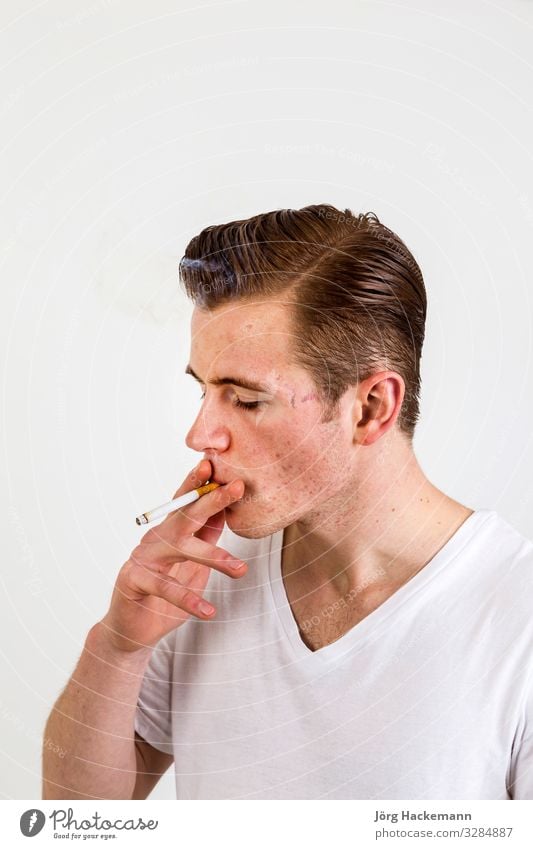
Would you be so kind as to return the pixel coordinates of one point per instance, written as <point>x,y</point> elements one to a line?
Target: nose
<point>207,432</point>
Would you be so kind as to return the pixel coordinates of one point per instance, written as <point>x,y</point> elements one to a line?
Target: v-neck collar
<point>375,621</point>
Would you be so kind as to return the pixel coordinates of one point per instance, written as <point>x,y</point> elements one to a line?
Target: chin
<point>253,528</point>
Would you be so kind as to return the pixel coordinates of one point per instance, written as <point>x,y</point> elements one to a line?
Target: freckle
<point>393,509</point>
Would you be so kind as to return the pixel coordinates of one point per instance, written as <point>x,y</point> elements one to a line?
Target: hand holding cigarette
<point>175,504</point>
<point>162,582</point>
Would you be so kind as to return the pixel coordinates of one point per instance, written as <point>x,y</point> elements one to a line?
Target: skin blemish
<point>311,396</point>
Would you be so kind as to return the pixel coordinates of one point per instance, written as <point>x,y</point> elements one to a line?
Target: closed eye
<point>244,405</point>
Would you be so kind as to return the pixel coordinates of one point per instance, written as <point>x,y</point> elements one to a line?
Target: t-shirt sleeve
<point>153,717</point>
<point>521,773</point>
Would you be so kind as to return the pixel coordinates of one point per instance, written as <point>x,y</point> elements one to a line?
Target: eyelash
<point>244,405</point>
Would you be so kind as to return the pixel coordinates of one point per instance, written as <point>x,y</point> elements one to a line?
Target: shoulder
<point>504,542</point>
<point>503,588</point>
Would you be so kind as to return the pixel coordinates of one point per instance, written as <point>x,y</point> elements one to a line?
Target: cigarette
<point>175,504</point>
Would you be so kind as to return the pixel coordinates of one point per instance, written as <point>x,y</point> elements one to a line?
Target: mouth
<point>217,479</point>
<point>220,481</point>
<point>214,479</point>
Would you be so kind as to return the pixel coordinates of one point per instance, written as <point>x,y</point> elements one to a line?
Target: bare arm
<point>151,764</point>
<point>158,589</point>
<point>93,723</point>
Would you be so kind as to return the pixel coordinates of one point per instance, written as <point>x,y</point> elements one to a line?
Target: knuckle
<point>221,494</point>
<point>141,567</point>
<point>229,561</point>
<point>162,587</point>
<point>214,555</point>
<point>179,546</point>
<point>125,572</point>
<point>189,599</point>
<point>162,582</point>
<point>137,554</point>
<point>135,574</point>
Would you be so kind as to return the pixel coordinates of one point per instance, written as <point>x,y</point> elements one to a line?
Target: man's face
<point>289,461</point>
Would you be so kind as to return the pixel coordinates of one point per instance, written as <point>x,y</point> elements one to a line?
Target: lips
<point>216,479</point>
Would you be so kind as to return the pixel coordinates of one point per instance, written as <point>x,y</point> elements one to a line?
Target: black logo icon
<point>31,822</point>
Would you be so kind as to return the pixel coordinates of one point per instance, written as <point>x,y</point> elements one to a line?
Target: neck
<point>384,523</point>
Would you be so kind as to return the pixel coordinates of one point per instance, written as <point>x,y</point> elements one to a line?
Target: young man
<point>378,641</point>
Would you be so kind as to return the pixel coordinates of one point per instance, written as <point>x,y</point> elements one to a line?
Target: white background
<point>127,127</point>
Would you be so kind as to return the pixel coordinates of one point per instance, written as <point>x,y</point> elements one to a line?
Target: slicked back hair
<point>355,294</point>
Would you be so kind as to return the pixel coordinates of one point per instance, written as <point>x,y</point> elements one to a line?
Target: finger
<point>212,529</point>
<point>164,554</point>
<point>169,589</point>
<point>190,519</point>
<point>197,477</point>
<point>188,574</point>
<point>194,516</point>
<point>217,558</point>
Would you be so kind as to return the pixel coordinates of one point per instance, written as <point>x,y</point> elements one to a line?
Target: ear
<point>380,398</point>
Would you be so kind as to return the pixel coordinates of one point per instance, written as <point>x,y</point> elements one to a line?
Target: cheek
<point>306,466</point>
<point>321,459</point>
<point>303,452</point>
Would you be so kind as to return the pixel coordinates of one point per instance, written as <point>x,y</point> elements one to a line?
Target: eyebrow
<point>234,381</point>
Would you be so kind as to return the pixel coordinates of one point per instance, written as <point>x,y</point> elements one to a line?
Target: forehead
<point>241,332</point>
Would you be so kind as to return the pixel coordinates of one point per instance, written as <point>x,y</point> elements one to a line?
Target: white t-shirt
<point>428,697</point>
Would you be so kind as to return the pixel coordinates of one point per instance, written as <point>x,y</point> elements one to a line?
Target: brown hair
<point>356,294</point>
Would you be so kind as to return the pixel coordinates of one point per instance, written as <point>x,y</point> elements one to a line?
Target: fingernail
<point>205,607</point>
